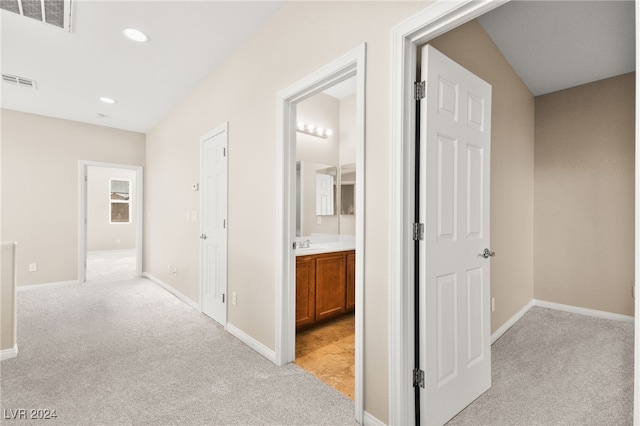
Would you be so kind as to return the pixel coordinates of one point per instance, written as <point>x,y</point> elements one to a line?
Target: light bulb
<point>300,125</point>
<point>310,128</point>
<point>320,131</point>
<point>328,132</point>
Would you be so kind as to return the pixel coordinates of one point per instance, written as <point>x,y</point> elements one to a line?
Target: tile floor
<point>328,352</point>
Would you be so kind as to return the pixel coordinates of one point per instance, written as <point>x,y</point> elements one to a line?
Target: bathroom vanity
<point>325,286</point>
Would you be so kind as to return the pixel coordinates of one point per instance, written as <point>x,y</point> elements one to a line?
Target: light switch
<point>195,186</point>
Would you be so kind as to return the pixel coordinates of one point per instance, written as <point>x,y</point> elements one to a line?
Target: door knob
<point>488,253</point>
<point>203,236</point>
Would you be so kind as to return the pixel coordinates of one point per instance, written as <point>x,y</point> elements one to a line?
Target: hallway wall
<point>40,187</point>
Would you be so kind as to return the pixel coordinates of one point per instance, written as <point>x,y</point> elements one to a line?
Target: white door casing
<point>83,166</point>
<point>213,223</point>
<point>455,147</point>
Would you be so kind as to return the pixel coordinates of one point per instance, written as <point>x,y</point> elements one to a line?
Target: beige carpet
<point>129,353</point>
<point>557,368</point>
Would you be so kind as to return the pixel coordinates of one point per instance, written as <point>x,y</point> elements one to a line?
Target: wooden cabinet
<point>351,281</point>
<point>305,291</point>
<point>325,287</point>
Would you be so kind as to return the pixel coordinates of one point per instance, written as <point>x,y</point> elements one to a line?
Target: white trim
<point>369,419</point>
<point>251,342</point>
<point>511,321</point>
<point>636,361</point>
<point>9,353</point>
<point>351,64</point>
<point>42,286</point>
<point>83,165</point>
<point>584,311</point>
<point>172,290</point>
<point>222,128</point>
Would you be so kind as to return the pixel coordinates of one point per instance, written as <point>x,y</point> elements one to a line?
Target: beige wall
<point>324,111</point>
<point>300,38</point>
<point>584,195</point>
<point>101,234</point>
<point>512,150</point>
<point>39,187</point>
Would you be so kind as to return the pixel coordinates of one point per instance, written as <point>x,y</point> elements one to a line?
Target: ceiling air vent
<point>20,81</point>
<point>52,12</point>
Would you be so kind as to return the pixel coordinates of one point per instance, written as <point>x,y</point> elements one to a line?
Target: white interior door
<point>455,138</point>
<point>213,224</point>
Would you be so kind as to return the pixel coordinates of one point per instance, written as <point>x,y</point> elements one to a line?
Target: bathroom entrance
<point>320,195</point>
<point>325,252</point>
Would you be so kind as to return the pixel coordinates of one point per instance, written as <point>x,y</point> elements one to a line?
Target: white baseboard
<point>45,285</point>
<point>584,311</point>
<point>251,342</point>
<point>172,290</point>
<point>9,353</point>
<point>514,319</point>
<point>369,419</point>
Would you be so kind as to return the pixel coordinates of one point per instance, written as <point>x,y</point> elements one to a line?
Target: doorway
<point>432,22</point>
<point>350,65</point>
<point>110,200</point>
<point>326,174</point>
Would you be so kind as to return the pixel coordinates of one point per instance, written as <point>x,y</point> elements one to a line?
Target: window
<point>120,201</point>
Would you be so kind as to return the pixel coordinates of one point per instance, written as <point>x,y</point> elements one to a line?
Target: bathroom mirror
<point>347,189</point>
<point>326,191</point>
<point>308,221</point>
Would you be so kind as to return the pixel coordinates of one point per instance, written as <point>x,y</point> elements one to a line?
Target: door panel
<point>330,286</point>
<point>213,225</point>
<point>455,126</point>
<point>305,291</point>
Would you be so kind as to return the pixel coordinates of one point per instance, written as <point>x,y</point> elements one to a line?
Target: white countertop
<point>321,245</point>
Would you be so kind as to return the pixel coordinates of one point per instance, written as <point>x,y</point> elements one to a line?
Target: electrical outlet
<point>234,298</point>
<point>493,304</point>
<point>33,267</point>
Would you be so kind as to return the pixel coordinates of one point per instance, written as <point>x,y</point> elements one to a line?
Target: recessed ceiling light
<point>107,100</point>
<point>135,35</point>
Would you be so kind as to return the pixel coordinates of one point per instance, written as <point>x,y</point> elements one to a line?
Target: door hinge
<point>418,378</point>
<point>222,297</point>
<point>224,152</point>
<point>418,231</point>
<point>420,90</point>
<point>86,179</point>
<point>224,223</point>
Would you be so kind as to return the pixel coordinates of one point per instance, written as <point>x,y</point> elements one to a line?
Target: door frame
<point>222,128</point>
<point>351,64</point>
<point>437,19</point>
<point>83,166</point>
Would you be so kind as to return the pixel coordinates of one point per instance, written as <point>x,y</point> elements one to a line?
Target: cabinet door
<point>351,281</point>
<point>330,286</point>
<point>305,291</point>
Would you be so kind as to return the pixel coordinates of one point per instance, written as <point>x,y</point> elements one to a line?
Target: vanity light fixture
<point>135,35</point>
<point>310,129</point>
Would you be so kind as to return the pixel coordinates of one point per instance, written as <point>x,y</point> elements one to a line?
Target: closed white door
<point>455,141</point>
<point>213,224</point>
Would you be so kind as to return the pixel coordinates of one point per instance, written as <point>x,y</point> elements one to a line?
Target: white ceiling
<point>554,45</point>
<point>188,39</point>
<point>551,45</point>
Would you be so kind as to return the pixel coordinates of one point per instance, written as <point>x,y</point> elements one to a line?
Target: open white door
<point>213,223</point>
<point>455,148</point>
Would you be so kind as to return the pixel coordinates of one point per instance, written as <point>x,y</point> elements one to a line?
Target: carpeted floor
<point>111,265</point>
<point>557,368</point>
<point>129,353</point>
